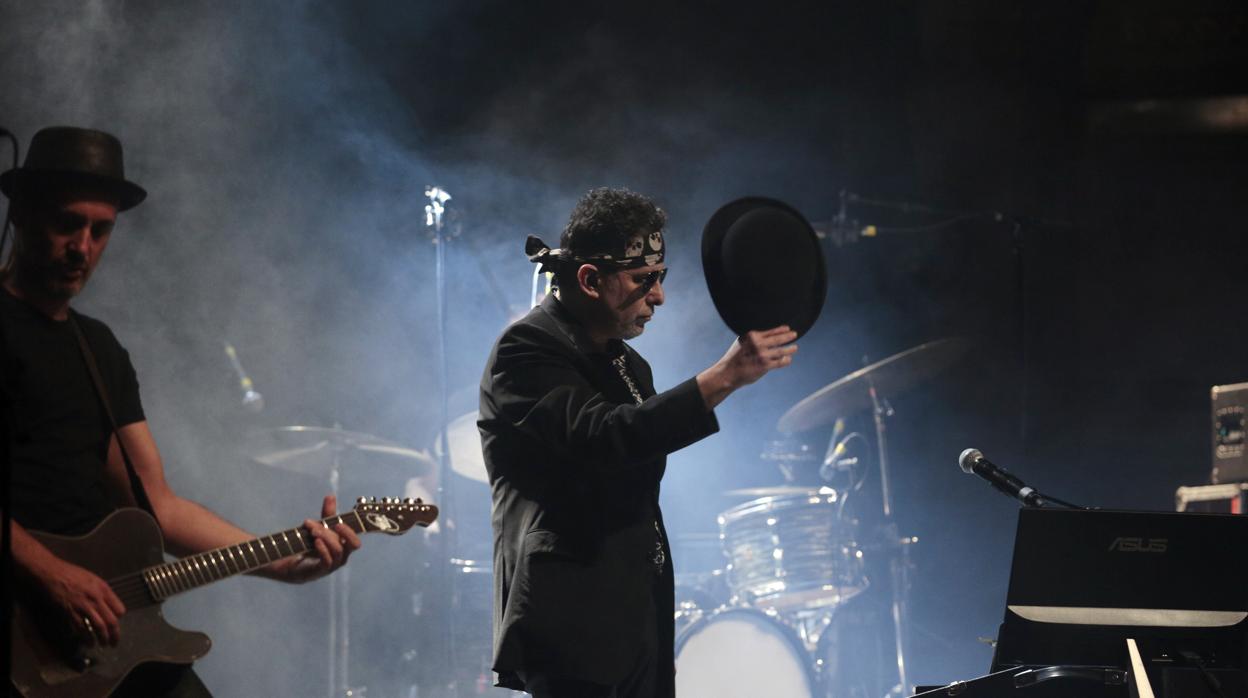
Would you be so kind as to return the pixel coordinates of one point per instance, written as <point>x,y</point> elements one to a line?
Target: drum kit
<point>782,617</point>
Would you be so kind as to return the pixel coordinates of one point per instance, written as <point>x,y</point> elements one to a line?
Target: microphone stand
<point>445,672</point>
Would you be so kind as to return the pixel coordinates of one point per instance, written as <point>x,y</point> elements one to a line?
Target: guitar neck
<point>197,570</point>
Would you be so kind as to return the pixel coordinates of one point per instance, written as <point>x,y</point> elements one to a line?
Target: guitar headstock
<point>393,515</point>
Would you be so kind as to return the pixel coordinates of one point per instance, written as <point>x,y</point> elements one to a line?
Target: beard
<point>631,330</point>
<point>48,278</point>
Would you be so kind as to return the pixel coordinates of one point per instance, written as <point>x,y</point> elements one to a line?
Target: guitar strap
<point>136,485</point>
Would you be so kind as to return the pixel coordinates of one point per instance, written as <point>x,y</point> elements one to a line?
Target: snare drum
<point>791,552</point>
<point>742,653</point>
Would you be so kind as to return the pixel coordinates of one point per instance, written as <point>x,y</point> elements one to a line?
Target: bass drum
<point>742,653</point>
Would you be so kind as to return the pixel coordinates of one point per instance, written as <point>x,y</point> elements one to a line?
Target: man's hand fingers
<point>766,339</point>
<point>113,603</point>
<point>777,340</point>
<point>87,627</point>
<point>330,546</point>
<point>100,626</point>
<point>783,353</point>
<point>112,631</point>
<point>350,541</point>
<point>324,540</point>
<point>334,543</point>
<point>93,607</point>
<point>112,626</point>
<point>323,553</point>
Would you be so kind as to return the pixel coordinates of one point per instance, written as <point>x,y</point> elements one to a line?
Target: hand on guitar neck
<point>333,545</point>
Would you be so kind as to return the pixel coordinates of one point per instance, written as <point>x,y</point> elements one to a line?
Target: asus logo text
<point>1139,545</point>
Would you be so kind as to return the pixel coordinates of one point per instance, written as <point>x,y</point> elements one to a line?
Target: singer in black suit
<point>575,441</point>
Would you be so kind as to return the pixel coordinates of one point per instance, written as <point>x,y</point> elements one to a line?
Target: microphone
<point>252,400</point>
<point>835,446</point>
<point>832,461</point>
<point>972,461</point>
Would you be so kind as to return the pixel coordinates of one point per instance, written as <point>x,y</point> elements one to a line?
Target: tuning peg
<point>361,500</point>
<point>409,500</point>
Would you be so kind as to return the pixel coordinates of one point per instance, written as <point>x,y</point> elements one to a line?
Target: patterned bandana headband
<point>640,251</point>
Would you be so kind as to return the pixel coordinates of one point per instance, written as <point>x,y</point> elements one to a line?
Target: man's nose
<point>80,240</point>
<point>655,296</point>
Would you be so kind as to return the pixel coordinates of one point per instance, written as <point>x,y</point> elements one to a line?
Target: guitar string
<point>201,568</point>
<point>185,573</point>
<point>133,589</point>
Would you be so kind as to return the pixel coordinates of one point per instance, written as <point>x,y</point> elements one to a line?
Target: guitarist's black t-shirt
<point>58,431</point>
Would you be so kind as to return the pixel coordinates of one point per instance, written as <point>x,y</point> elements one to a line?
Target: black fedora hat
<point>65,156</point>
<point>763,266</point>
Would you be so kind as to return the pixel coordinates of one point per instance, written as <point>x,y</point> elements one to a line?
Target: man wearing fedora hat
<point>78,442</point>
<point>575,440</point>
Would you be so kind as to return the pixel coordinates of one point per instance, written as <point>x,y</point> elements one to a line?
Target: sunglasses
<point>649,280</point>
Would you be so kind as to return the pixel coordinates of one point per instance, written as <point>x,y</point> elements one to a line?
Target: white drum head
<point>465,440</point>
<point>741,654</point>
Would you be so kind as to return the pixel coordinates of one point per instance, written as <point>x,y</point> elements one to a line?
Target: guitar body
<point>47,663</point>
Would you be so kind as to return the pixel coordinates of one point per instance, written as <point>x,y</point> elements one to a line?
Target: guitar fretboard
<point>163,581</point>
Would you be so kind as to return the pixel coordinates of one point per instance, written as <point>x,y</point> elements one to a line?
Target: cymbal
<point>776,491</point>
<point>317,450</point>
<point>890,376</point>
<point>465,440</point>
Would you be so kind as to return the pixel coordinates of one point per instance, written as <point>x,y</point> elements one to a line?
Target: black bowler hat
<point>64,156</point>
<point>763,266</point>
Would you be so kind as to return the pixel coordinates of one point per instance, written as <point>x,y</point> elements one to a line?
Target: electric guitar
<point>126,549</point>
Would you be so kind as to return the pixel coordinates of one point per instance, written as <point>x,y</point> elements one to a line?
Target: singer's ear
<point>587,278</point>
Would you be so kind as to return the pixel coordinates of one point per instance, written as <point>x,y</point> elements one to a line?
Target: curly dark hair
<point>604,220</point>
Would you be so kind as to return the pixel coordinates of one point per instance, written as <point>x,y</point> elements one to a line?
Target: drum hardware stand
<point>434,212</point>
<point>339,599</point>
<point>810,628</point>
<point>899,558</point>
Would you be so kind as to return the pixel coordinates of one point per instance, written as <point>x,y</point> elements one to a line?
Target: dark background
<point>1097,150</point>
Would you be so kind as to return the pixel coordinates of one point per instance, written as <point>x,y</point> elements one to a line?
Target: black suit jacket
<point>574,466</point>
